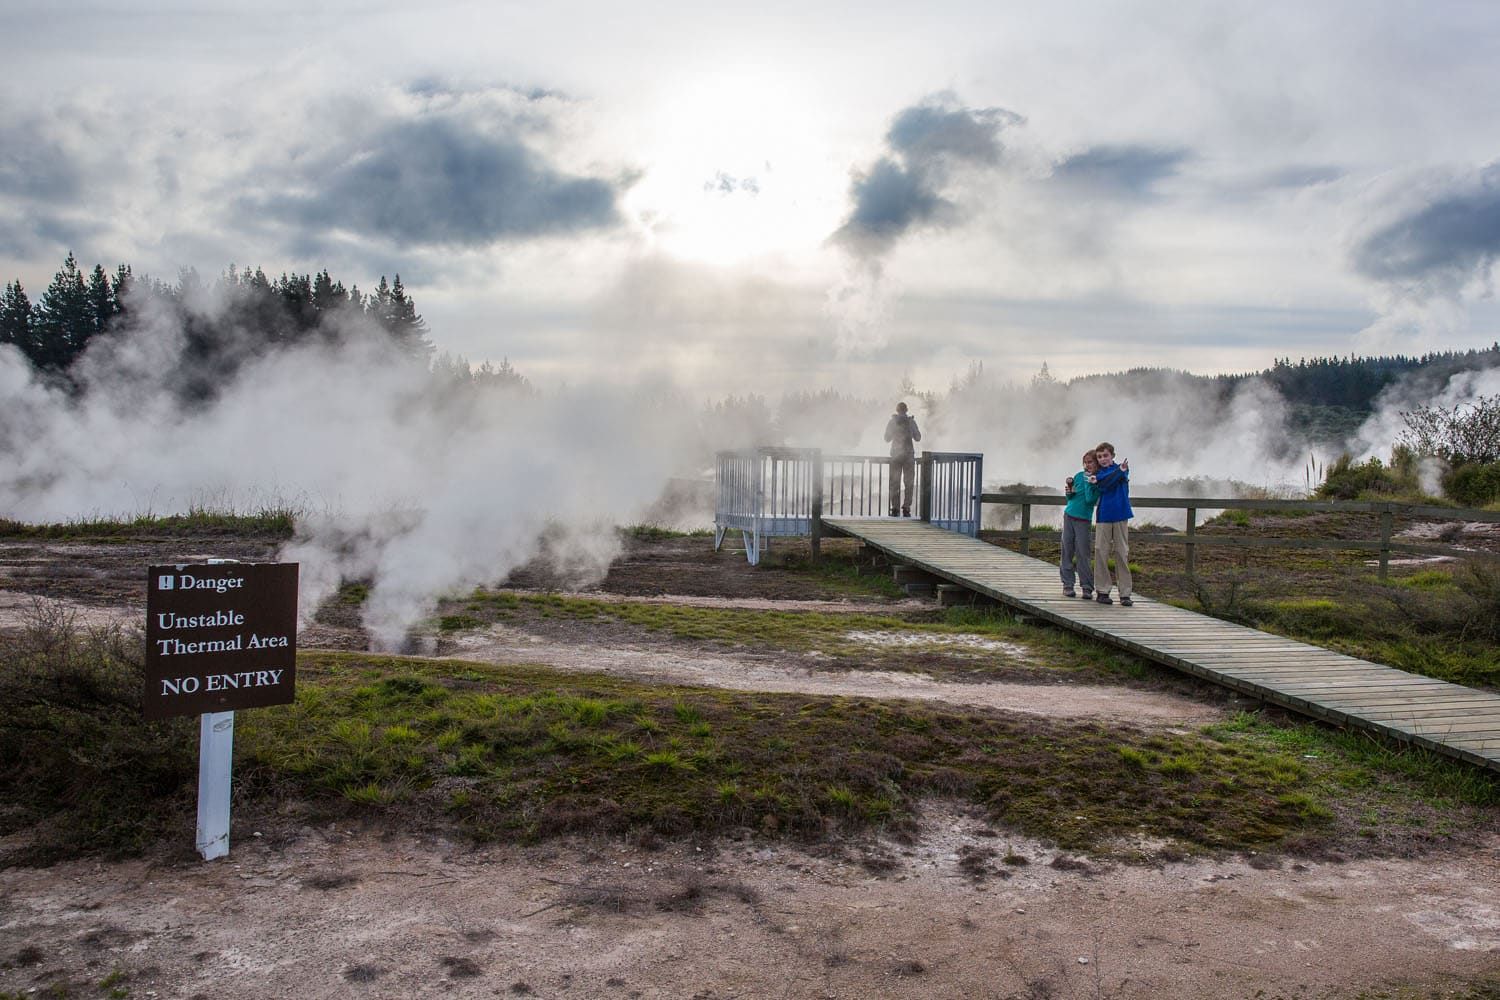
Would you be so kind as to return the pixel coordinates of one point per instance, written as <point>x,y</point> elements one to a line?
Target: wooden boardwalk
<point>1448,718</point>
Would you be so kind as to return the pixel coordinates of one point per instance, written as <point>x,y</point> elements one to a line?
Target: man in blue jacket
<point>1112,524</point>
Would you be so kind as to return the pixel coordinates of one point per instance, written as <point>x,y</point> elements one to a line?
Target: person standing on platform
<point>1078,520</point>
<point>901,431</point>
<point>1112,531</point>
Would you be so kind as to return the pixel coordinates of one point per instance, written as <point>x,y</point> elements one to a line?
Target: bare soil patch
<point>335,912</point>
<point>660,663</point>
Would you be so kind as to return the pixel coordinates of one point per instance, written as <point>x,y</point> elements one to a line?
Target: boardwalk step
<point>951,595</point>
<point>906,575</point>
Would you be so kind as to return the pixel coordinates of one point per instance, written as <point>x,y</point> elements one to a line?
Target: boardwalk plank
<point>1460,722</point>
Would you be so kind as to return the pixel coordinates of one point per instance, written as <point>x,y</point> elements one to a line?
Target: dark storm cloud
<point>445,180</point>
<point>1120,171</point>
<point>905,189</point>
<point>34,166</point>
<point>929,130</point>
<point>1438,247</point>
<point>889,199</point>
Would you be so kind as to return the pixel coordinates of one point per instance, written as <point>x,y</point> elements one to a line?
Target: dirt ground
<point>963,911</point>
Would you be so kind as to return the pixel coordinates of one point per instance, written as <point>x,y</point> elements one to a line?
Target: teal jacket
<point>1085,496</point>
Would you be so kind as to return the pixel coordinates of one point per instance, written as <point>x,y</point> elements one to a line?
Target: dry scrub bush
<point>78,764</point>
<point>1469,611</point>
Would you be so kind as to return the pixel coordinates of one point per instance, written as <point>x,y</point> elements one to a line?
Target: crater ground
<point>961,909</point>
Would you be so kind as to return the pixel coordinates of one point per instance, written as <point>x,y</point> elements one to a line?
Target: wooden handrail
<point>1191,538</point>
<point>1240,503</point>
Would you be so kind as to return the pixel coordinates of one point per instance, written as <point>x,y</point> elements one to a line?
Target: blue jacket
<point>1113,484</point>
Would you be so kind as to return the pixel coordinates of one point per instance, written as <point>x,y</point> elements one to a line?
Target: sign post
<point>215,768</point>
<point>219,636</point>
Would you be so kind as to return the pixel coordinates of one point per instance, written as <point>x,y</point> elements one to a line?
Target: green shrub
<point>77,762</point>
<point>1347,480</point>
<point>1476,484</point>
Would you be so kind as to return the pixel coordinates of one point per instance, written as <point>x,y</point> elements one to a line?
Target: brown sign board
<point>220,637</point>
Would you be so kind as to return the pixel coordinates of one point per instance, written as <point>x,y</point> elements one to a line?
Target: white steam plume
<point>1384,427</point>
<point>425,492</point>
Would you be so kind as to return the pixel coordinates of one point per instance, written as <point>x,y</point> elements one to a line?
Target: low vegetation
<point>198,522</point>
<point>522,753</point>
<point>76,760</point>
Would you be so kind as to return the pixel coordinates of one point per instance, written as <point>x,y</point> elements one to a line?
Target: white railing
<point>856,486</point>
<point>951,489</point>
<point>768,492</point>
<point>765,492</point>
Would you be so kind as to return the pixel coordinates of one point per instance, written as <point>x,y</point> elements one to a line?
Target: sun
<point>737,169</point>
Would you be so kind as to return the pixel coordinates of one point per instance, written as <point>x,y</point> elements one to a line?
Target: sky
<point>761,198</point>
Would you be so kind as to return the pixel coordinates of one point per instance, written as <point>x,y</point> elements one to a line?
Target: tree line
<point>241,315</point>
<point>255,314</point>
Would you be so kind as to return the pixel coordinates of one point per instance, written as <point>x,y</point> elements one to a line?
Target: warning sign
<point>220,637</point>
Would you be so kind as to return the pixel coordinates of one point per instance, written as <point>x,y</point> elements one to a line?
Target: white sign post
<point>215,764</point>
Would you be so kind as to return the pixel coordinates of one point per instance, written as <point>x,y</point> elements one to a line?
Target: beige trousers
<point>1112,537</point>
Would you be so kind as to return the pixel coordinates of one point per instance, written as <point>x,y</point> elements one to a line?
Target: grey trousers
<point>1112,537</point>
<point>1078,550</point>
<point>903,470</point>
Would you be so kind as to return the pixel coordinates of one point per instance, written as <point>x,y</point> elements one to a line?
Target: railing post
<point>978,492</point>
<point>1386,523</point>
<point>1025,529</point>
<point>924,495</point>
<point>817,503</point>
<point>1191,546</point>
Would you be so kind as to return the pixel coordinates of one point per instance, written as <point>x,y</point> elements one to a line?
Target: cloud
<point>1445,237</point>
<point>442,178</point>
<point>927,131</point>
<point>907,187</point>
<point>727,184</point>
<point>1125,171</point>
<point>35,166</point>
<point>1302,176</point>
<point>1428,241</point>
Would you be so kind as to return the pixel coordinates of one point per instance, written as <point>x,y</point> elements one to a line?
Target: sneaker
<point>1069,593</point>
<point>895,512</point>
<point>1104,599</point>
<point>1126,602</point>
<point>1088,595</point>
<point>906,512</point>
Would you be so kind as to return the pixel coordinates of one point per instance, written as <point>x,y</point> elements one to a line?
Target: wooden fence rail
<point>1191,539</point>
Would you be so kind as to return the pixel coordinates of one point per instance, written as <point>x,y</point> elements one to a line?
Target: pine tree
<point>65,318</point>
<point>102,298</point>
<point>124,280</point>
<point>408,328</point>
<point>16,320</point>
<point>328,296</point>
<point>378,305</point>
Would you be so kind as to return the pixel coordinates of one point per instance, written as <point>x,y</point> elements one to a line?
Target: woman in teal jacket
<point>1078,515</point>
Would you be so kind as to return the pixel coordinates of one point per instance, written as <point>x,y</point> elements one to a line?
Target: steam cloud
<point>428,492</point>
<point>423,492</point>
